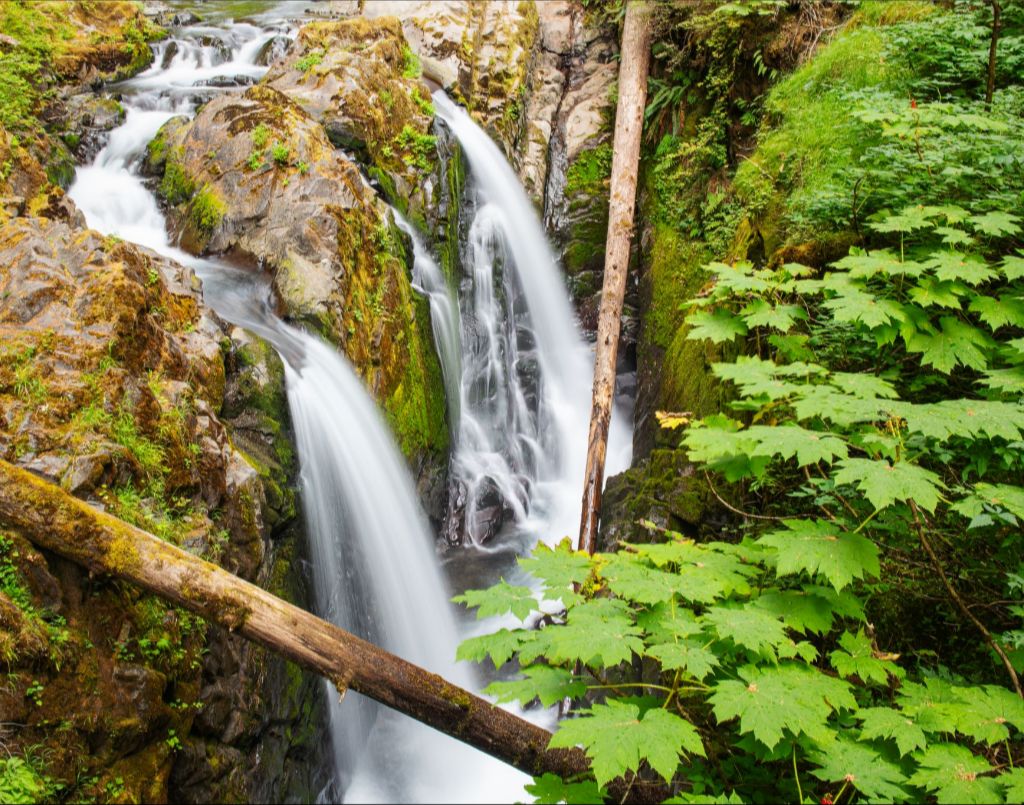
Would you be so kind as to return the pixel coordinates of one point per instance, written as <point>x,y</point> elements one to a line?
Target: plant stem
<point>953,594</point>
<point>796,776</point>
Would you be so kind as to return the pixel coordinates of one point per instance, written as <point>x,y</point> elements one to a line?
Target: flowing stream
<point>517,374</point>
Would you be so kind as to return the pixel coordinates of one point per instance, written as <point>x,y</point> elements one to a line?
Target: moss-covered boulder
<point>361,81</point>
<point>113,377</point>
<point>255,175</point>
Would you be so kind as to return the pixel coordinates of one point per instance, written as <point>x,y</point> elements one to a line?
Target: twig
<point>960,603</point>
<point>733,509</point>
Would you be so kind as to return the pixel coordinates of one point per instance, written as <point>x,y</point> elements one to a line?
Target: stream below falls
<point>518,377</point>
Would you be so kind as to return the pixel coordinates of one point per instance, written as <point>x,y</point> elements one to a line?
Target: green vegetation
<point>420,149</point>
<point>309,61</point>
<point>855,631</point>
<point>207,210</point>
<point>411,63</point>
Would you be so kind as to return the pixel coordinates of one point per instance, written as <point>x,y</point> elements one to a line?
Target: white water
<point>523,430</point>
<point>370,547</point>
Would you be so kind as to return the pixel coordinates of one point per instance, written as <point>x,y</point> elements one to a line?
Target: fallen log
<point>58,522</point>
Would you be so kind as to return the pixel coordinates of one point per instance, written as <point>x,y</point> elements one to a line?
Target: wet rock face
<point>256,175</point>
<point>361,81</point>
<point>113,375</point>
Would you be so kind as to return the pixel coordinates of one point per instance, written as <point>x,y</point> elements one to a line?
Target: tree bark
<point>634,63</point>
<point>65,525</point>
<point>990,84</point>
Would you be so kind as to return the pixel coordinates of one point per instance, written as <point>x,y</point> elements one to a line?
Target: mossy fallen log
<point>65,525</point>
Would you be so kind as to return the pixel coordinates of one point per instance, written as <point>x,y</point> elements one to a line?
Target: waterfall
<point>370,546</point>
<point>527,372</point>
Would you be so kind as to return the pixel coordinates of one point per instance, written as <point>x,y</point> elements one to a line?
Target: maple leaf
<point>747,626</point>
<point>499,646</point>
<point>995,223</point>
<point>1013,267</point>
<point>800,610</point>
<point>1013,781</point>
<point>856,657</point>
<point>717,326</point>
<point>931,292</point>
<point>846,761</point>
<point>999,312</point>
<point>983,713</point>
<point>883,483</point>
<point>617,739</point>
<point>887,723</point>
<point>670,420</point>
<point>597,632</point>
<point>864,386</point>
<point>809,447</point>
<point>956,343</point>
<point>499,599</point>
<point>1002,496</point>
<point>953,774</point>
<point>550,789</point>
<point>868,264</point>
<point>969,268</point>
<point>770,701</point>
<point>822,547</point>
<point>542,682</point>
<point>560,567</point>
<point>686,655</point>
<point>760,313</point>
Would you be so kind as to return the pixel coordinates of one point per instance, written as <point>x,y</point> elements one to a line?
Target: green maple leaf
<point>864,386</point>
<point>1002,496</point>
<point>499,599</point>
<point>931,292</point>
<point>842,409</point>
<point>550,789</point>
<point>686,655</point>
<point>984,713</point>
<point>1013,782</point>
<point>617,739</point>
<point>748,626</point>
<point>499,646</point>
<point>844,760</point>
<point>542,682</point>
<point>964,418</point>
<point>953,775</point>
<point>996,313</point>
<point>908,220</point>
<point>636,581</point>
<point>969,268</point>
<point>856,657</point>
<point>1006,381</point>
<point>757,377</point>
<point>995,223</point>
<point>800,610</point>
<point>559,568</point>
<point>807,446</point>
<point>706,572</point>
<point>666,623</point>
<point>760,313</point>
<point>856,306</point>
<point>952,236</point>
<point>886,723</point>
<point>597,632</point>
<point>1013,267</point>
<point>822,547</point>
<point>883,483</point>
<point>718,326</point>
<point>956,343</point>
<point>789,697</point>
<point>868,264</point>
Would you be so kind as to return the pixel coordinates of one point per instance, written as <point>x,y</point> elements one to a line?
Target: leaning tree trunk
<point>58,522</point>
<point>633,66</point>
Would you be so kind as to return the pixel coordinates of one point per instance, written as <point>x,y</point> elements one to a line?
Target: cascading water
<point>374,571</point>
<point>527,373</point>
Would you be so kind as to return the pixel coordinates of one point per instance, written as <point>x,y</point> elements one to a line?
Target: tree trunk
<point>990,84</point>
<point>634,62</point>
<point>58,522</point>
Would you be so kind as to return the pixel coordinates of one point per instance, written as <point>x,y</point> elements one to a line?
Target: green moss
<point>420,150</point>
<point>411,67</point>
<point>675,276</point>
<point>207,210</point>
<point>177,186</point>
<point>309,61</point>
